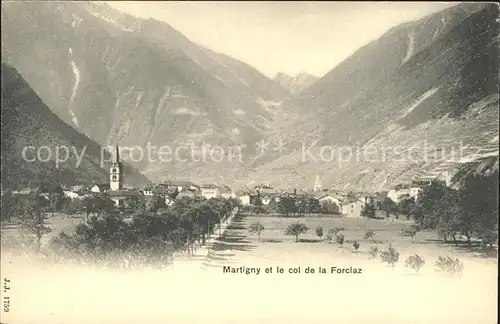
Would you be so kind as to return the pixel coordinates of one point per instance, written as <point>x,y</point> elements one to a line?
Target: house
<point>352,208</point>
<point>408,190</point>
<point>169,201</point>
<point>148,192</point>
<point>78,188</point>
<point>72,195</point>
<point>244,197</point>
<point>267,195</point>
<point>188,194</point>
<point>119,196</point>
<point>332,199</point>
<point>210,191</point>
<point>227,193</point>
<point>184,185</point>
<point>162,192</point>
<point>100,188</point>
<point>24,192</point>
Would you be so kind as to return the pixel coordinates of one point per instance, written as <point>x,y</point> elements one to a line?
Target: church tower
<point>317,185</point>
<point>116,172</point>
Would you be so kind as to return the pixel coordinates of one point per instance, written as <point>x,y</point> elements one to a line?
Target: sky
<point>290,37</point>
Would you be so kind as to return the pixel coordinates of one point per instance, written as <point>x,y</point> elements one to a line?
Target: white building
<point>210,191</point>
<point>244,198</point>
<point>71,194</point>
<point>99,188</point>
<point>353,209</point>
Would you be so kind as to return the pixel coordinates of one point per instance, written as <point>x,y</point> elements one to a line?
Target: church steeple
<point>116,155</point>
<point>116,171</point>
<point>317,185</point>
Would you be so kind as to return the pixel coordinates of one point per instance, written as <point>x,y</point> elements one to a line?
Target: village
<point>261,198</point>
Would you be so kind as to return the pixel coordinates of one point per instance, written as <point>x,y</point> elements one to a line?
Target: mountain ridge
<point>27,121</point>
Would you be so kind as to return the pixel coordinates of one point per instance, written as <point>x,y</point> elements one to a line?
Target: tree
<point>447,213</point>
<point>448,265</point>
<point>335,231</point>
<point>132,203</point>
<point>368,211</point>
<point>35,223</point>
<point>391,256</point>
<point>287,205</point>
<point>74,206</point>
<point>256,228</point>
<point>406,205</point>
<point>8,207</point>
<point>296,230</point>
<point>423,211</point>
<point>370,235</point>
<point>389,206</point>
<point>374,251</point>
<point>340,241</point>
<point>355,245</point>
<point>415,262</point>
<point>328,207</point>
<point>319,231</point>
<point>412,232</point>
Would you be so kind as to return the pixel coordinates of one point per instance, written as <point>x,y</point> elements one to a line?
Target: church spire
<point>317,185</point>
<point>116,155</point>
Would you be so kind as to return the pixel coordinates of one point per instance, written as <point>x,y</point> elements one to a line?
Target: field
<point>275,247</point>
<point>378,294</point>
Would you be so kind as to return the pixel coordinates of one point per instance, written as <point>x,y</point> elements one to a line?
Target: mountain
<point>295,84</point>
<point>138,82</point>
<point>418,101</point>
<point>28,123</point>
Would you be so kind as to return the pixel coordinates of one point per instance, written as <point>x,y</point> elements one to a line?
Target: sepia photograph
<point>249,162</point>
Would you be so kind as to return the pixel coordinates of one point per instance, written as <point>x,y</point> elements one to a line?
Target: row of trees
<point>150,237</point>
<point>292,205</point>
<point>471,210</point>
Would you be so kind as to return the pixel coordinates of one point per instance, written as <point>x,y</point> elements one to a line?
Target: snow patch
<point>186,111</point>
<point>494,140</point>
<point>411,47</point>
<point>474,157</point>
<point>477,107</point>
<point>239,112</point>
<point>235,131</point>
<point>421,99</point>
<point>111,21</point>
<point>76,72</point>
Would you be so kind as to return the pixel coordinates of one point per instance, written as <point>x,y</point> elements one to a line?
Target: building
<point>184,185</point>
<point>100,188</point>
<point>244,197</point>
<point>116,172</point>
<point>210,191</point>
<point>227,193</point>
<point>71,194</point>
<point>318,186</point>
<point>116,192</point>
<point>352,208</point>
<point>399,192</point>
<point>148,192</point>
<point>189,194</point>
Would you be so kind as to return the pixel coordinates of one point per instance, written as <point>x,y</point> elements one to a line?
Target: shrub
<point>391,256</point>
<point>356,245</point>
<point>448,265</point>
<point>296,229</point>
<point>256,228</point>
<point>415,262</point>
<point>370,235</point>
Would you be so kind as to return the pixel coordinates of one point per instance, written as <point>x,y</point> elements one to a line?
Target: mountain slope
<point>136,82</point>
<point>295,84</point>
<point>27,121</point>
<point>429,85</point>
